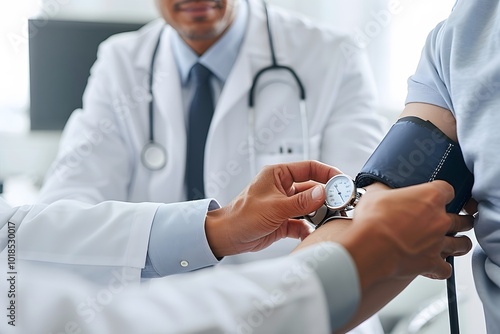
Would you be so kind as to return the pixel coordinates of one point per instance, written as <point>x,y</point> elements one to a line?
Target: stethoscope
<point>251,101</point>
<point>154,155</point>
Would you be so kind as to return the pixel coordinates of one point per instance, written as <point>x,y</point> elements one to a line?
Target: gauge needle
<point>338,192</point>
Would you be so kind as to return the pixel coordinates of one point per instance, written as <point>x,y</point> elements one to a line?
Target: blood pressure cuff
<point>415,151</point>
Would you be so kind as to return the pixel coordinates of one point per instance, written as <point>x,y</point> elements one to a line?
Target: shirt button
<point>184,263</point>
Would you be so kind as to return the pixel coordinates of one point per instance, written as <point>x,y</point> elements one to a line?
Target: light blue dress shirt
<point>177,242</point>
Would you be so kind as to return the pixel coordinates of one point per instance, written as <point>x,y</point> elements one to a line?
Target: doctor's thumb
<point>309,200</point>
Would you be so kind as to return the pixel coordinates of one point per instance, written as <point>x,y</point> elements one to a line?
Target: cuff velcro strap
<point>415,151</point>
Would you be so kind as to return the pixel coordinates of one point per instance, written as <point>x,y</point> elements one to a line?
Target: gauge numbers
<point>340,191</point>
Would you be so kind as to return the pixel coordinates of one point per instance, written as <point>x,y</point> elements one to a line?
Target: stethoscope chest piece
<point>154,156</point>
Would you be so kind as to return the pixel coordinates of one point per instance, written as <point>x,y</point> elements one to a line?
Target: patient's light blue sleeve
<point>430,81</point>
<point>177,241</point>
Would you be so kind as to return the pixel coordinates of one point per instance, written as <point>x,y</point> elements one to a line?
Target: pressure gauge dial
<point>341,193</point>
<point>341,196</point>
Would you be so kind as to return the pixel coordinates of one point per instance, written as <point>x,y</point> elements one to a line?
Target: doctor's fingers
<point>440,270</point>
<point>471,206</point>
<point>287,174</point>
<point>456,246</point>
<point>303,203</point>
<point>296,229</point>
<point>452,246</point>
<point>299,187</point>
<point>460,223</point>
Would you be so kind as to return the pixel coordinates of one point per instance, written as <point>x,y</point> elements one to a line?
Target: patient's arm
<point>394,236</point>
<point>440,117</point>
<point>377,296</point>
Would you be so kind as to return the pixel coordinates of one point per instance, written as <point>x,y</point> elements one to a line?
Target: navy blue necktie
<point>200,116</point>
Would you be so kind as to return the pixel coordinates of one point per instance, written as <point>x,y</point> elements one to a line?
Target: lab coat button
<point>184,263</point>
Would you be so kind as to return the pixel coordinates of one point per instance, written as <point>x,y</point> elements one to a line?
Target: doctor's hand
<point>415,228</point>
<point>396,235</point>
<point>262,213</point>
<point>401,233</point>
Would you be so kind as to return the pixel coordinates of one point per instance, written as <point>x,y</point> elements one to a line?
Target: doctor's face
<point>199,21</point>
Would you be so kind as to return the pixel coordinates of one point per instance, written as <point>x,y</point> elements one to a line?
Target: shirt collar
<point>220,57</point>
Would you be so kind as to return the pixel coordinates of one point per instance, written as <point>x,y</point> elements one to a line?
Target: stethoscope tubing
<point>153,155</point>
<point>251,101</point>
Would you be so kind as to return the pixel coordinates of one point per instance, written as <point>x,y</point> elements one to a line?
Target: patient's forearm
<point>374,298</point>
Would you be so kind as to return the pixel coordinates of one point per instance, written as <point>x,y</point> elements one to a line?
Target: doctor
<point>141,91</point>
<point>101,150</point>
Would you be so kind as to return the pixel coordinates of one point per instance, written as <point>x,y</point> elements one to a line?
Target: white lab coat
<point>87,282</point>
<point>93,240</point>
<point>99,157</point>
<point>249,299</point>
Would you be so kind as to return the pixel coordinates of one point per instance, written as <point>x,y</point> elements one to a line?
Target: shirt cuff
<point>177,242</point>
<point>339,276</point>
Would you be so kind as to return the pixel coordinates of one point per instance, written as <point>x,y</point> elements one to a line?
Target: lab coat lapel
<point>229,128</point>
<point>167,87</point>
<point>235,88</point>
<point>240,79</point>
<point>168,110</point>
